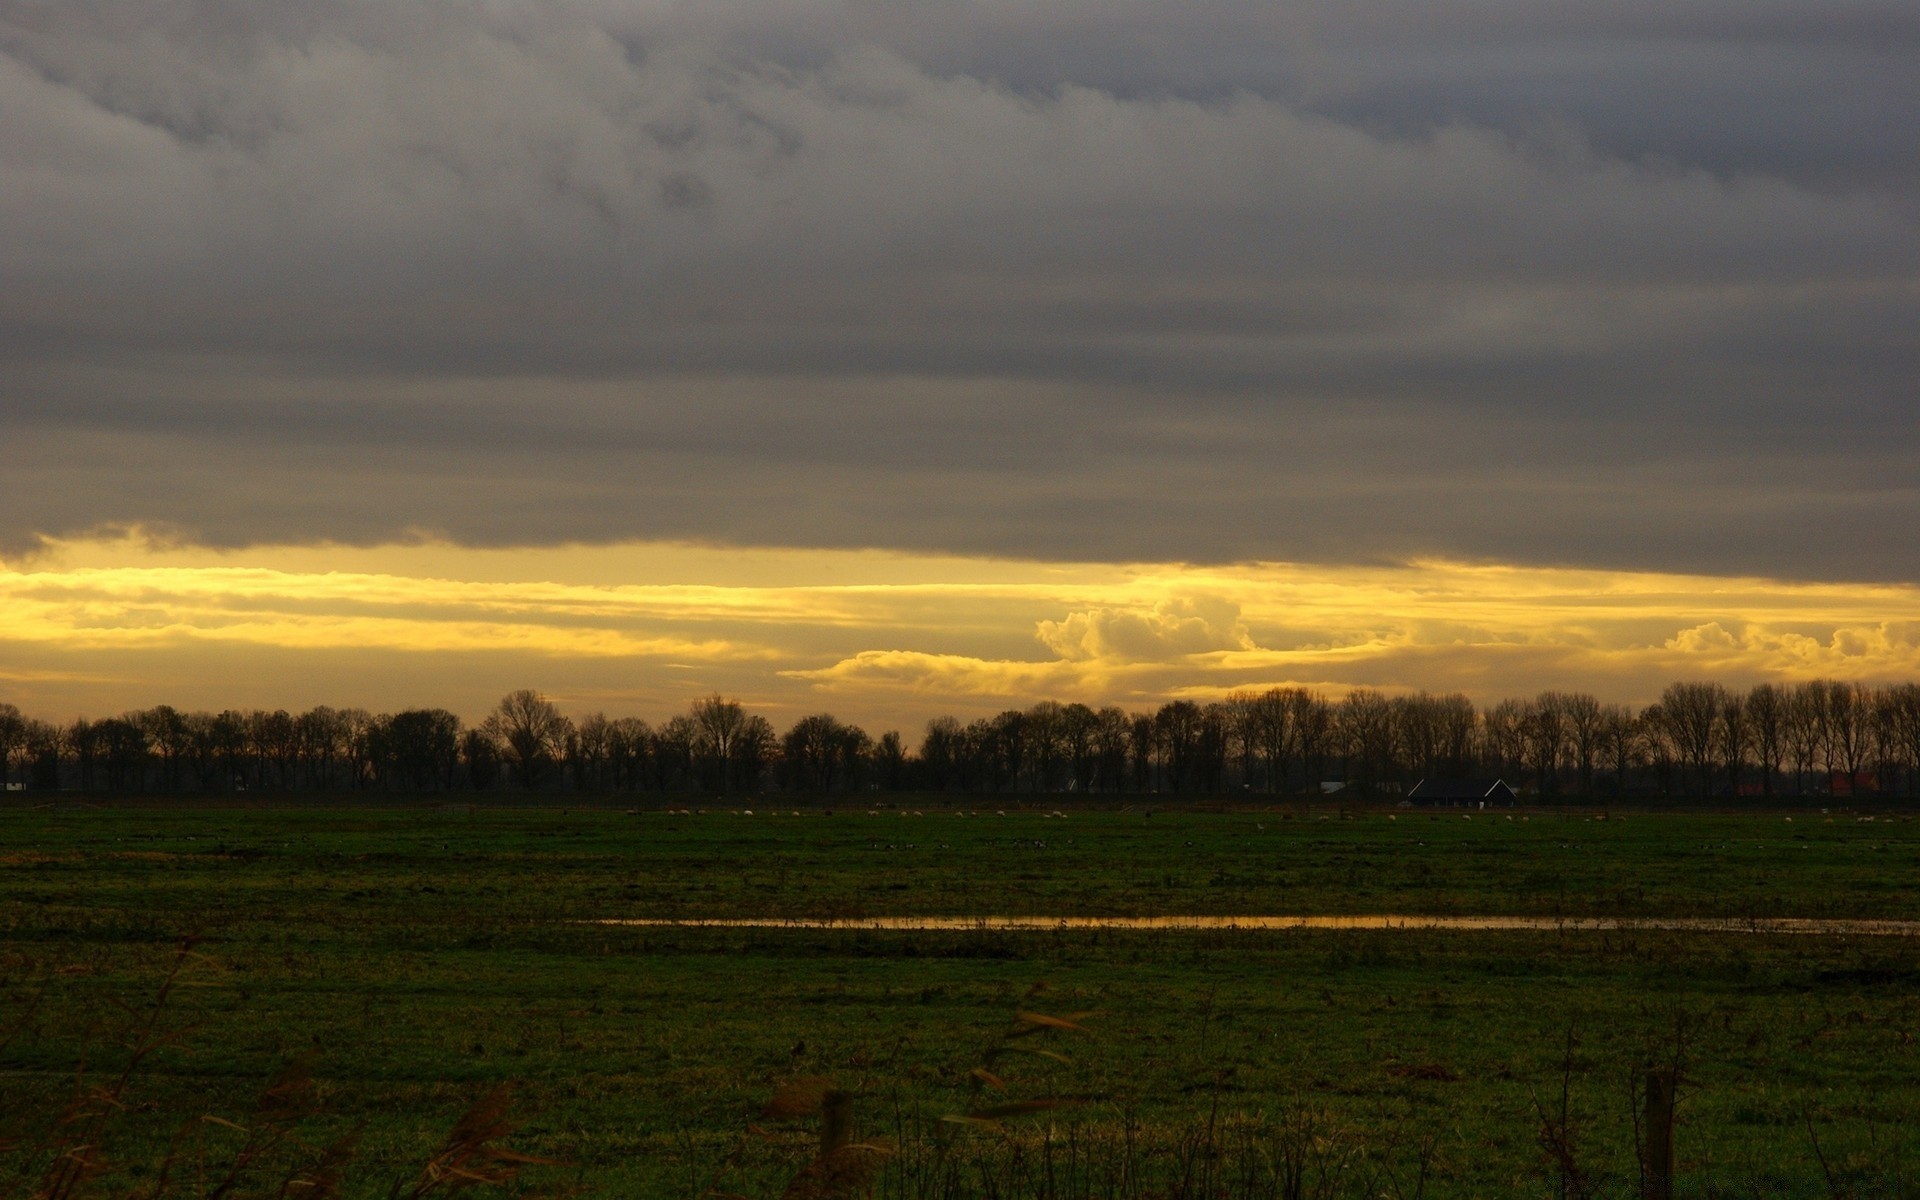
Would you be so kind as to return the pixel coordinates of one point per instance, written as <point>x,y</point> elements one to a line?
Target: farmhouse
<point>1455,792</point>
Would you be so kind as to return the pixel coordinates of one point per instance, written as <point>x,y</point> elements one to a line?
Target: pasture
<point>410,956</point>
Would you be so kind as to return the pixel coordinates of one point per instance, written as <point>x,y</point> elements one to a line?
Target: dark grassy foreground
<point>413,956</point>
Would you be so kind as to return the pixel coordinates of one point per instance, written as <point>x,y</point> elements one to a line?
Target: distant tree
<point>1689,714</point>
<point>203,759</point>
<point>1582,716</point>
<point>1007,749</point>
<point>124,746</point>
<point>1078,726</point>
<point>83,737</point>
<point>42,743</point>
<point>1313,727</point>
<point>1366,733</point>
<point>1417,735</point>
<point>1656,740</point>
<point>629,751</point>
<point>1803,729</point>
<point>276,738</point>
<point>1767,721</point>
<point>940,749</point>
<point>1901,720</point>
<point>1543,737</point>
<point>1273,730</point>
<point>1732,736</point>
<point>168,733</point>
<point>532,732</point>
<point>754,748</point>
<point>356,727</point>
<point>1459,729</point>
<point>816,751</point>
<point>480,756</point>
<point>1142,741</point>
<point>979,758</point>
<point>1178,729</point>
<point>1111,732</point>
<point>1045,728</point>
<point>13,728</point>
<point>1502,739</point>
<point>1846,725</point>
<point>1619,742</point>
<point>717,722</point>
<point>322,734</point>
<point>228,733</point>
<point>418,750</point>
<point>673,745</point>
<point>890,761</point>
<point>589,749</point>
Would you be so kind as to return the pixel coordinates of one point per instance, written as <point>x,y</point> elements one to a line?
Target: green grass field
<point>414,955</point>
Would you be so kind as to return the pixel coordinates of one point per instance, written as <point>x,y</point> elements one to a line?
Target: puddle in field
<point>1758,925</point>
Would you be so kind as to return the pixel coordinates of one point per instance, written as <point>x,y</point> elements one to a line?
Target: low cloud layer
<point>1620,284</point>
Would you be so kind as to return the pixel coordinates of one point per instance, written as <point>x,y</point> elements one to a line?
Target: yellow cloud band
<point>899,635</point>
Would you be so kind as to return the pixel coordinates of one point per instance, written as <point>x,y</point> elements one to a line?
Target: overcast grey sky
<point>1621,283</point>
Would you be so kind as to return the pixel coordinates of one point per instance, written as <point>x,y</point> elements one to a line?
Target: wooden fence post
<point>1659,1124</point>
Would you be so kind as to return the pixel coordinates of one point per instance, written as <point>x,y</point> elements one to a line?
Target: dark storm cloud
<point>1614,283</point>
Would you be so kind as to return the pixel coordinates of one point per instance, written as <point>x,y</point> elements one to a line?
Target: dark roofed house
<point>1471,793</point>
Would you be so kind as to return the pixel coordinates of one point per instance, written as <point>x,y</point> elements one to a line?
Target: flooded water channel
<point>1463,924</point>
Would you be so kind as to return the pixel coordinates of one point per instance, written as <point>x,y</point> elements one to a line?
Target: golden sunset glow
<point>884,637</point>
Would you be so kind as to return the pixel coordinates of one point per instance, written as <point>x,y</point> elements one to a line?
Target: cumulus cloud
<point>1174,628</point>
<point>1880,650</point>
<point>1632,284</point>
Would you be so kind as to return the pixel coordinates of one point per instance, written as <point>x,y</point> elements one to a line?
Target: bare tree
<point>1901,723</point>
<point>1178,730</point>
<point>42,743</point>
<point>629,749</point>
<point>1113,733</point>
<point>753,747</point>
<point>480,755</point>
<point>673,746</point>
<point>1366,730</point>
<point>1543,733</point>
<point>1459,726</point>
<point>1619,740</point>
<point>1803,728</point>
<point>1312,731</point>
<point>890,761</point>
<point>589,749</point>
<point>1583,717</point>
<point>1008,748</point>
<point>717,722</point>
<point>1767,731</point>
<point>940,751</point>
<point>1847,728</point>
<point>816,751</point>
<point>1418,733</point>
<point>1273,712</point>
<point>13,729</point>
<point>167,731</point>
<point>1734,736</point>
<point>1045,732</point>
<point>83,736</point>
<point>1690,713</point>
<point>1078,728</point>
<point>532,732</point>
<point>1502,738</point>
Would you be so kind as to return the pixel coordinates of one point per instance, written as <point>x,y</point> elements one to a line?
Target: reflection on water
<point>1760,925</point>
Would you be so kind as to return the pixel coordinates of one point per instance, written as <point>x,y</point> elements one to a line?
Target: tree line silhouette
<point>1700,739</point>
